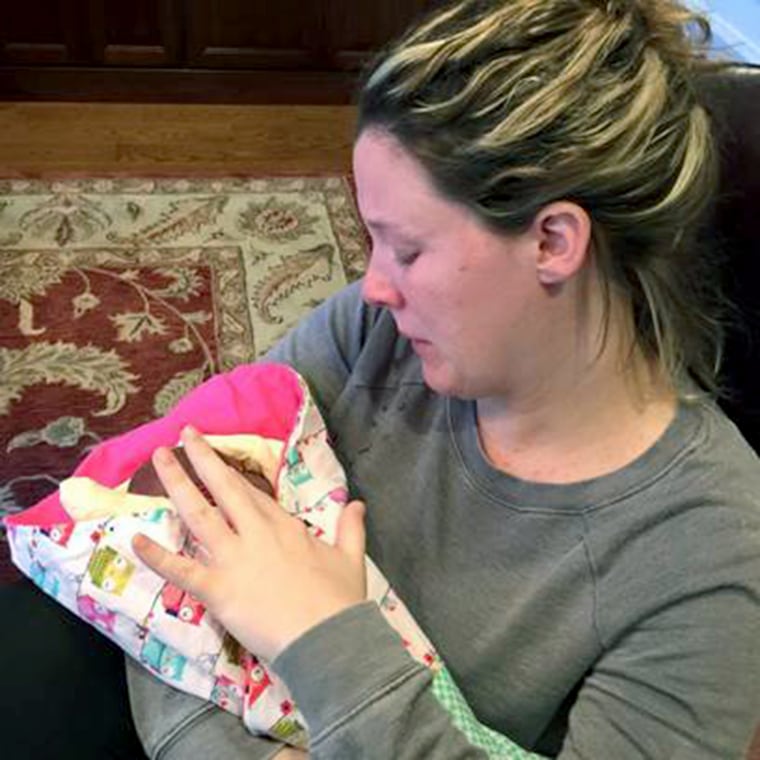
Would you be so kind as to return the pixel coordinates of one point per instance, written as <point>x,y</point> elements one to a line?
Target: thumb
<point>351,537</point>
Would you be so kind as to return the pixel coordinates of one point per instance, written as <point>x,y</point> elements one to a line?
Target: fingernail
<point>163,455</point>
<point>189,432</point>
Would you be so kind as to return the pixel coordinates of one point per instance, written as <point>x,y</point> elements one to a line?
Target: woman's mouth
<point>417,343</point>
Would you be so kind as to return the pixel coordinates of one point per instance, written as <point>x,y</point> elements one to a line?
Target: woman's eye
<point>406,258</point>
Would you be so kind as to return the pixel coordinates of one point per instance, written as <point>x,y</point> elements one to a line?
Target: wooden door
<point>356,29</point>
<point>43,32</point>
<point>283,35</point>
<point>259,51</point>
<point>136,32</point>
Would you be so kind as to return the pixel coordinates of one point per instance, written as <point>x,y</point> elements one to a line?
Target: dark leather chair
<point>733,98</point>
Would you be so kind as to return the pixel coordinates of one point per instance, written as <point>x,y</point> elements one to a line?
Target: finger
<point>351,536</point>
<point>203,521</point>
<point>181,571</point>
<point>242,504</point>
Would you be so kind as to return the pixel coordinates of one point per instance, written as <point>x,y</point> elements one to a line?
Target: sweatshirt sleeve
<point>364,696</point>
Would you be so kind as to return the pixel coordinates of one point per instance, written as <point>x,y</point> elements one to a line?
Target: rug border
<point>172,173</point>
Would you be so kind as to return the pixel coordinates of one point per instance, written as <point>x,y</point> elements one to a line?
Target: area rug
<point>117,296</point>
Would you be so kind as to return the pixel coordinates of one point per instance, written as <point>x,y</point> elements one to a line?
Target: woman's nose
<point>378,288</point>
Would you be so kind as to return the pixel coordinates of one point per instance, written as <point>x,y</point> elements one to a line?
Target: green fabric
<point>495,744</point>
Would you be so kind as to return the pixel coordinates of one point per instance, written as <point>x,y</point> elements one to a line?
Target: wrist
<point>307,623</point>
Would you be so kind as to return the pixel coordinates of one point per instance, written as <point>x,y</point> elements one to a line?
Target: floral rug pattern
<point>117,296</point>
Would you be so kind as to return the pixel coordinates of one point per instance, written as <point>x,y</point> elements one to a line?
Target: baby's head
<point>146,482</point>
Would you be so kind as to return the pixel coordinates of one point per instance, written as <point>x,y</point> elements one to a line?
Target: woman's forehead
<point>394,191</point>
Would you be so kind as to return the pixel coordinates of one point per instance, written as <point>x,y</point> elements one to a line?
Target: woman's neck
<point>580,427</point>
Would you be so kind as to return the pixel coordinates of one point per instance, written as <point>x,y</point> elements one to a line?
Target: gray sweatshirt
<point>615,618</point>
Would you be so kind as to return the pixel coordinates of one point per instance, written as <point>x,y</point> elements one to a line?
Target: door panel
<point>280,34</point>
<point>357,29</point>
<point>135,33</point>
<point>40,32</point>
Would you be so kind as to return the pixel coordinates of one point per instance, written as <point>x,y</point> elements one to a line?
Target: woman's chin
<point>441,380</point>
<point>444,380</point>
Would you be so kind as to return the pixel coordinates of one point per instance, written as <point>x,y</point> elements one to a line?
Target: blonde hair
<point>512,104</point>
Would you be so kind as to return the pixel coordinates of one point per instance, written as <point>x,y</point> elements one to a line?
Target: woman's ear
<point>563,232</point>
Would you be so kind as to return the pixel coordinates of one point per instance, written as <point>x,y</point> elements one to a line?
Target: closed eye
<point>406,258</point>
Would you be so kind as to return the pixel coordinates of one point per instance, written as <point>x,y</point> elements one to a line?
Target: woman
<point>521,402</point>
<point>519,391</point>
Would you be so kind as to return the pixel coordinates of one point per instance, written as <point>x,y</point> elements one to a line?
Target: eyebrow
<point>387,227</point>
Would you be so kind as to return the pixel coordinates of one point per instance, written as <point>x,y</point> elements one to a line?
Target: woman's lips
<point>419,345</point>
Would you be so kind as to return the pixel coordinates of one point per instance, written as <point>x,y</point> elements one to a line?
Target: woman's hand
<point>264,577</point>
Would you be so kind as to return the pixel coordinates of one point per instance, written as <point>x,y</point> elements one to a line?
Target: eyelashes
<point>406,258</point>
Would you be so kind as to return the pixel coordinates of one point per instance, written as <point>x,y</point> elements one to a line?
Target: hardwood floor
<point>93,138</point>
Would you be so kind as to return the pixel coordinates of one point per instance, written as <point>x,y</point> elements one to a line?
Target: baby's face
<point>146,482</point>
